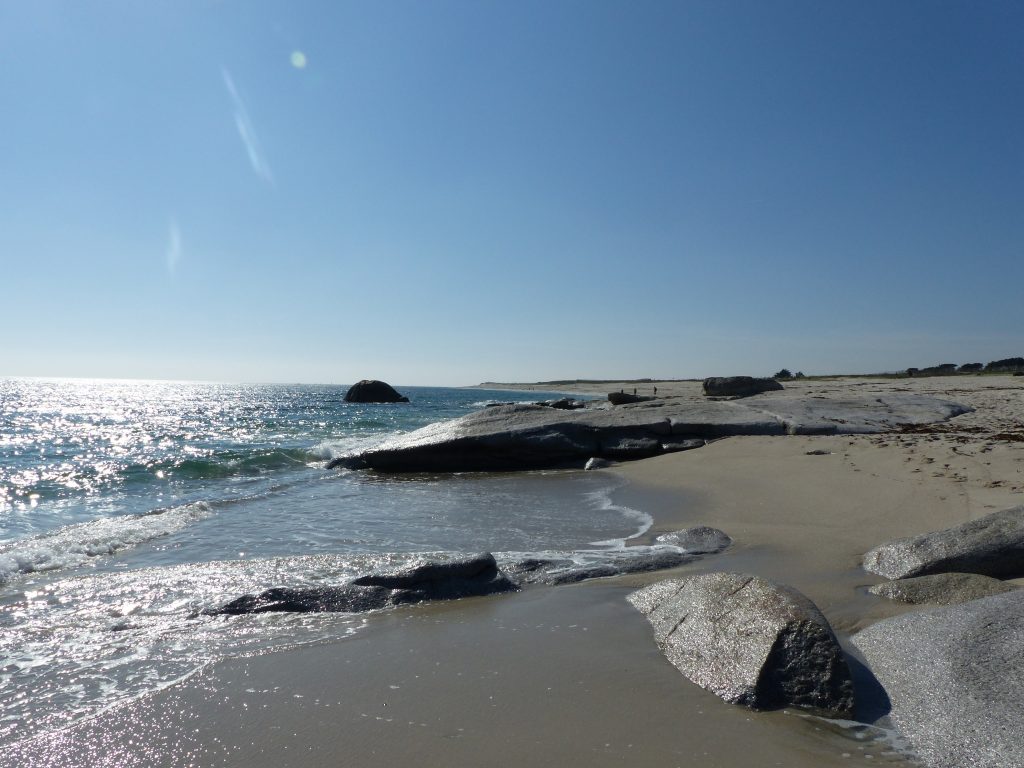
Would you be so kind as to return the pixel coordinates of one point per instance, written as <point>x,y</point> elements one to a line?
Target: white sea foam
<point>489,403</point>
<point>85,643</point>
<point>74,544</point>
<point>602,499</point>
<point>326,450</point>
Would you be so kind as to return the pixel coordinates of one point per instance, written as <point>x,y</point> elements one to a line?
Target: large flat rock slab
<point>512,437</point>
<point>954,677</point>
<point>992,545</point>
<point>749,641</point>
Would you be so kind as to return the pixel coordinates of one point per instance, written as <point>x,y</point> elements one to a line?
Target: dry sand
<point>570,676</point>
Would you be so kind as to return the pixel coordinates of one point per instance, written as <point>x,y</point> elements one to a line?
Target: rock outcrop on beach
<point>953,678</point>
<point>992,545</point>
<point>699,540</point>
<point>522,436</point>
<point>739,386</point>
<point>564,403</point>
<point>749,641</point>
<point>941,588</point>
<point>447,580</point>
<point>624,398</point>
<point>373,391</point>
<point>565,570</point>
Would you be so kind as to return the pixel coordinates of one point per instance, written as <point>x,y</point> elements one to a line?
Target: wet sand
<point>570,675</point>
<point>550,677</point>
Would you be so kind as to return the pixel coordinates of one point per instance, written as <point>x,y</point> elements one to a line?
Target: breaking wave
<point>76,543</point>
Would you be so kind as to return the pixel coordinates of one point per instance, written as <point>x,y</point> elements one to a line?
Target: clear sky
<point>450,192</point>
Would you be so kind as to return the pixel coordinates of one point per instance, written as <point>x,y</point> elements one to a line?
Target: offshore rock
<point>524,436</point>
<point>749,641</point>
<point>992,545</point>
<point>738,386</point>
<point>373,391</point>
<point>941,588</point>
<point>699,540</point>
<point>953,678</point>
<point>448,580</point>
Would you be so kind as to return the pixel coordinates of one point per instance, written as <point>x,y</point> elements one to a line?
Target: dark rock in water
<point>564,404</point>
<point>699,540</point>
<point>941,588</point>
<point>373,391</point>
<point>466,577</point>
<point>347,462</point>
<point>992,545</point>
<point>564,570</point>
<point>738,386</point>
<point>597,463</point>
<point>621,398</point>
<point>953,678</point>
<point>430,573</point>
<point>749,641</point>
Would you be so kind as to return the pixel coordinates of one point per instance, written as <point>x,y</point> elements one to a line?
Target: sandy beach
<point>570,675</point>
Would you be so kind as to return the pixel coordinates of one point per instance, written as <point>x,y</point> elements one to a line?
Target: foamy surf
<point>74,544</point>
<point>601,498</point>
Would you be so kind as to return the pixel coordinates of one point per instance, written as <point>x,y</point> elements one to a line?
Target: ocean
<point>127,508</point>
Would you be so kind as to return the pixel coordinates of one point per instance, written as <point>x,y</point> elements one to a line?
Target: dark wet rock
<point>699,540</point>
<point>527,436</point>
<point>749,641</point>
<point>373,391</point>
<point>673,446</point>
<point>992,545</point>
<point>739,386</point>
<point>941,588</point>
<point>626,447</point>
<point>347,462</point>
<point>596,462</point>
<point>447,580</point>
<point>818,452</point>
<point>565,570</point>
<point>953,678</point>
<point>622,398</point>
<point>564,404</point>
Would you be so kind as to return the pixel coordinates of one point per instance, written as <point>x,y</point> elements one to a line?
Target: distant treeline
<point>1007,365</point>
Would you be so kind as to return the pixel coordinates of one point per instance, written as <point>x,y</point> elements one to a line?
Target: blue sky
<point>451,192</point>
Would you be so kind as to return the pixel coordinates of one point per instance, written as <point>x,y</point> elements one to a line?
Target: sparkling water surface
<point>129,507</point>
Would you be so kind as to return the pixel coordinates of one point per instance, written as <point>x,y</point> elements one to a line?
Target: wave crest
<point>74,544</point>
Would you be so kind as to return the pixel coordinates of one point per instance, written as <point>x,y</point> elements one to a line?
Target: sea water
<point>127,508</point>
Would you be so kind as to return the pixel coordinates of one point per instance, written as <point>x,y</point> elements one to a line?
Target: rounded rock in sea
<point>373,391</point>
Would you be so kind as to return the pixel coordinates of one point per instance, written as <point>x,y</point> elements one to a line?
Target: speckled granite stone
<point>992,545</point>
<point>955,679</point>
<point>749,641</point>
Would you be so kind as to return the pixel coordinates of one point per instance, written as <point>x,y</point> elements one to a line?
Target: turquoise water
<point>126,508</point>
